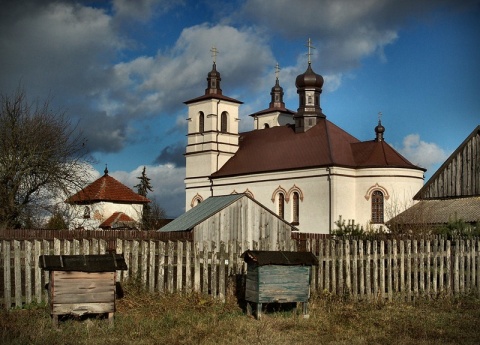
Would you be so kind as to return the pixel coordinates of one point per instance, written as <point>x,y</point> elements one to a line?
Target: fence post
<point>221,273</point>
<point>170,259</point>
<point>7,277</point>
<point>389,270</point>
<point>205,268</point>
<point>368,279</point>
<point>348,271</point>
<point>37,248</point>
<point>188,268</point>
<point>17,268</point>
<point>196,268</point>
<point>179,265</point>
<point>28,272</point>
<point>151,266</point>
<point>213,270</point>
<point>161,267</point>
<point>143,262</point>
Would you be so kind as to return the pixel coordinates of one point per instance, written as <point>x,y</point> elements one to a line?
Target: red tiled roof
<point>106,188</point>
<point>280,149</point>
<point>118,220</point>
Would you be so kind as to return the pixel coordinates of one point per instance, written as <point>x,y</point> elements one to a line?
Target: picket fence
<point>359,269</point>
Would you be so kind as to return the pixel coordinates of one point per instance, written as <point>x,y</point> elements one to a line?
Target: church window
<point>281,205</point>
<point>377,207</point>
<point>223,122</point>
<point>201,122</point>
<point>296,208</point>
<point>86,212</point>
<point>266,125</point>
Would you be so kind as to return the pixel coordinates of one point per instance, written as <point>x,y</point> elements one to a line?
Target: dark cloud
<point>172,154</point>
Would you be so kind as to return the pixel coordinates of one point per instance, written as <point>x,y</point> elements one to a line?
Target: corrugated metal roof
<point>201,212</point>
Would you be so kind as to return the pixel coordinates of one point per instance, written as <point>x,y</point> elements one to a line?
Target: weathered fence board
<point>364,270</point>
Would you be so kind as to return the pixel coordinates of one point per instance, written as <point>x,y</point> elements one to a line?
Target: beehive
<point>82,284</point>
<point>278,277</point>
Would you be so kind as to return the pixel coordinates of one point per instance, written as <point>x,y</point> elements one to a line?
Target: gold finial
<point>277,70</point>
<point>310,47</point>
<point>214,54</point>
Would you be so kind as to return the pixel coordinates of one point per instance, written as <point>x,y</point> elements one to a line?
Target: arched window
<point>377,207</point>
<point>201,122</point>
<point>266,125</point>
<point>281,205</point>
<point>86,212</point>
<point>223,122</point>
<point>296,208</point>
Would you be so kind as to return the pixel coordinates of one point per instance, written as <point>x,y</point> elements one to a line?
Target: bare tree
<point>41,156</point>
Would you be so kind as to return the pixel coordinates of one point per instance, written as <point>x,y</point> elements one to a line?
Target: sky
<point>121,70</point>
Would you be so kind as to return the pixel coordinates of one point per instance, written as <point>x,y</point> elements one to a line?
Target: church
<point>298,164</point>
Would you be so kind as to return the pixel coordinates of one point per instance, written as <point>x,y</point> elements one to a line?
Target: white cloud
<point>167,183</point>
<point>422,153</point>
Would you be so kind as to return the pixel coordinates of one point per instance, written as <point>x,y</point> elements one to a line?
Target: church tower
<point>309,87</point>
<point>212,132</point>
<point>276,114</point>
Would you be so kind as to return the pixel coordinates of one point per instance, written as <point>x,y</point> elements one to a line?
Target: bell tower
<point>212,137</point>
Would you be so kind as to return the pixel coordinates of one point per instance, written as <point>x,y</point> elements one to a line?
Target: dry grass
<point>144,318</point>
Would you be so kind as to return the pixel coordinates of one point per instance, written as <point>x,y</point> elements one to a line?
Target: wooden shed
<point>233,217</point>
<point>278,277</point>
<point>82,284</point>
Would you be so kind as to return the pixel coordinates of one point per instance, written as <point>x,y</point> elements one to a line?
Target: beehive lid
<point>83,263</point>
<point>262,258</point>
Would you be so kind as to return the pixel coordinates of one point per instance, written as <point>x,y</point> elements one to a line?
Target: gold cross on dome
<point>277,70</point>
<point>214,54</point>
<point>310,47</point>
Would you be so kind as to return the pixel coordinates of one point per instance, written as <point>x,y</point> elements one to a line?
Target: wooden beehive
<point>278,277</point>
<point>82,284</point>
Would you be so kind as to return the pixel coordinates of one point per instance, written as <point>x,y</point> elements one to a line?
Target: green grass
<point>144,318</point>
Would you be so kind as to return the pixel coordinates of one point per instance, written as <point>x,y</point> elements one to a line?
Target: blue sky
<point>122,69</point>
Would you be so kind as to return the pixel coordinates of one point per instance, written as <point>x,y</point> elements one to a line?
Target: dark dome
<point>379,128</point>
<point>309,79</point>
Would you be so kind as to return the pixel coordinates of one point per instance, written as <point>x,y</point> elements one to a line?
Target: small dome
<point>309,79</point>
<point>379,129</point>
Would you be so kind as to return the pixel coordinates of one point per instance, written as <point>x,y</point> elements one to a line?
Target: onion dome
<point>309,79</point>
<point>379,130</point>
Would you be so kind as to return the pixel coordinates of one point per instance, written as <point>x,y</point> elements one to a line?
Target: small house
<point>278,277</point>
<point>82,284</point>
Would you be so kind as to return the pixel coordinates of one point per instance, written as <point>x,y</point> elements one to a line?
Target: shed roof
<point>262,258</point>
<point>205,210</point>
<point>440,212</point>
<point>83,263</point>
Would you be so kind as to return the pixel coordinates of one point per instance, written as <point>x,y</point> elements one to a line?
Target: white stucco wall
<point>350,193</point>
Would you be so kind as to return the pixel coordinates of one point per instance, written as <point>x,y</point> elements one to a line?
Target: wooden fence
<point>361,269</point>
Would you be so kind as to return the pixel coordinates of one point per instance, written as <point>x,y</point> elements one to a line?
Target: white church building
<point>298,164</point>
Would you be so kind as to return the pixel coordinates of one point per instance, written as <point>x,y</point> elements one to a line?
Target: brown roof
<point>325,144</point>
<point>213,96</point>
<point>440,212</point>
<point>106,188</point>
<point>273,109</point>
<point>118,220</point>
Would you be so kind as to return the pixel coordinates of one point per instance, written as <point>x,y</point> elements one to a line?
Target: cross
<point>379,116</point>
<point>277,70</point>
<point>214,54</point>
<point>310,47</point>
